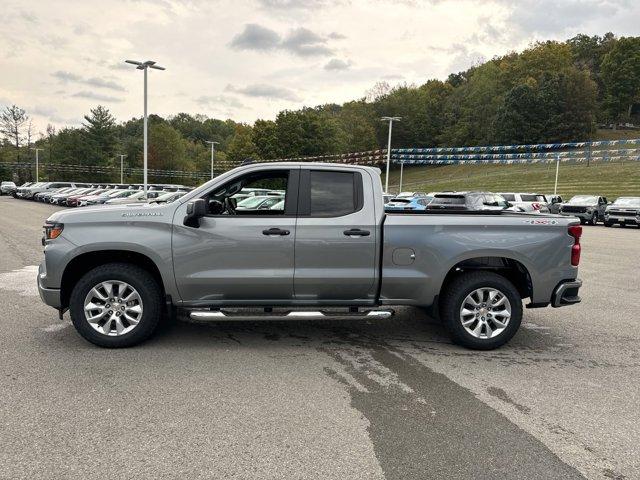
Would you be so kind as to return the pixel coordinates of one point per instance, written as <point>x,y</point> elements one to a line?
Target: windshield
<point>448,200</point>
<point>510,197</point>
<point>584,199</point>
<point>530,198</point>
<point>628,202</point>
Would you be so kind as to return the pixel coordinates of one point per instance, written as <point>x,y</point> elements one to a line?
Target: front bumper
<point>580,215</point>
<point>566,293</point>
<point>628,220</point>
<point>50,296</point>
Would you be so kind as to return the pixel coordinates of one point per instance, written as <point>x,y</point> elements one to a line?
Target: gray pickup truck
<point>330,252</point>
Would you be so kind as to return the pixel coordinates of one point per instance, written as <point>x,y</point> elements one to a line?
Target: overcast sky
<point>249,59</point>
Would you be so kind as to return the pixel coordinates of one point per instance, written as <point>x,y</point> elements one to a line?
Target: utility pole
<point>145,66</point>
<point>37,150</point>
<point>555,188</point>
<point>390,120</point>
<point>213,153</point>
<point>122,167</point>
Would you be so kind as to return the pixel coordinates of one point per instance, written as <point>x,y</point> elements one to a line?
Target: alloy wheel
<point>113,308</point>
<point>485,313</point>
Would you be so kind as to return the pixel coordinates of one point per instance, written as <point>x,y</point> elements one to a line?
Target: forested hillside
<point>552,91</point>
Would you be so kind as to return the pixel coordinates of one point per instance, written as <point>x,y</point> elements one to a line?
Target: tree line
<point>552,91</point>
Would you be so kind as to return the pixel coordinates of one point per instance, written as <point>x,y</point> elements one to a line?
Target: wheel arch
<point>83,263</point>
<point>510,268</point>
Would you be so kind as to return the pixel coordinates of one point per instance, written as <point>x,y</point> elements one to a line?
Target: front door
<point>243,254</point>
<point>335,251</point>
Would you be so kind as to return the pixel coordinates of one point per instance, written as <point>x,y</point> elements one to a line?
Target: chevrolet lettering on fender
<point>325,249</point>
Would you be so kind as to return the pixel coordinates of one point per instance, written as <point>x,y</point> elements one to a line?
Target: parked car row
<point>590,209</point>
<point>74,194</point>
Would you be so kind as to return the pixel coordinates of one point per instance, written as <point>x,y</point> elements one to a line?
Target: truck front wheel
<point>482,310</point>
<point>116,305</point>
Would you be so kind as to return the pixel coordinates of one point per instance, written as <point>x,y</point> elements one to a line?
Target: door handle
<point>275,231</point>
<point>356,232</point>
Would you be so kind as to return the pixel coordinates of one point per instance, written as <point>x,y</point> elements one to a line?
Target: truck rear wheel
<point>482,310</point>
<point>116,305</point>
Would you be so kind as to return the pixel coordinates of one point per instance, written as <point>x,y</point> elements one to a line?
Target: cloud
<point>293,4</point>
<point>337,64</point>
<point>336,36</point>
<point>256,37</point>
<point>219,100</point>
<point>96,96</point>
<point>69,77</point>
<point>265,91</point>
<point>304,42</point>
<point>300,41</point>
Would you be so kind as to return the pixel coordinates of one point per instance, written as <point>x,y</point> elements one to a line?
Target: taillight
<point>536,206</point>
<point>576,232</point>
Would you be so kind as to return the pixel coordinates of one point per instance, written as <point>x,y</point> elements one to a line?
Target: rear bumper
<point>566,293</point>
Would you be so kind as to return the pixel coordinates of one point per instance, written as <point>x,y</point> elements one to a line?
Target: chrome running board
<point>221,315</point>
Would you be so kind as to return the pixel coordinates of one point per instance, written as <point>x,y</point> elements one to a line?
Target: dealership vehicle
<point>471,201</point>
<point>260,202</point>
<point>108,195</point>
<point>8,188</point>
<point>29,192</point>
<point>554,202</point>
<point>168,197</point>
<point>137,197</point>
<point>407,203</point>
<point>588,208</point>
<point>61,198</point>
<point>527,202</point>
<point>332,246</point>
<point>624,211</point>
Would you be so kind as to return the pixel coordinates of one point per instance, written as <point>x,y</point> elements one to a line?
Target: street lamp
<point>145,66</point>
<point>390,120</point>
<point>122,167</point>
<point>213,152</point>
<point>37,150</point>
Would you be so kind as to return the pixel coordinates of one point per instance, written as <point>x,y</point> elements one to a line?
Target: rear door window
<point>333,194</point>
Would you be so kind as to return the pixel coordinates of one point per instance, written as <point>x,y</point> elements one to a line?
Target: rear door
<point>335,247</point>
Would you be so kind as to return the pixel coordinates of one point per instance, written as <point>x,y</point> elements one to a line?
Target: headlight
<point>52,230</point>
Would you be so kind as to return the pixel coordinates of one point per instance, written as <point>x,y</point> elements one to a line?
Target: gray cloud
<point>265,91</point>
<point>69,77</point>
<point>300,41</point>
<point>256,37</point>
<point>293,4</point>
<point>304,42</point>
<point>219,100</point>
<point>96,96</point>
<point>337,64</point>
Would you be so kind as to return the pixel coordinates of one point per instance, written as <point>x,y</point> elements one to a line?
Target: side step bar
<point>219,315</point>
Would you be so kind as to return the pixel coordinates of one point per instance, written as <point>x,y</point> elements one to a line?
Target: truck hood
<point>109,213</point>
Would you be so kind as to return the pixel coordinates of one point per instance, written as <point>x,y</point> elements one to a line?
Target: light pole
<point>37,150</point>
<point>555,188</point>
<point>213,153</point>
<point>390,120</point>
<point>401,168</point>
<point>122,167</point>
<point>145,66</point>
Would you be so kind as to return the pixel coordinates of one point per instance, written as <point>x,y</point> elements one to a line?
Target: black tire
<point>456,292</point>
<point>137,277</point>
<point>594,219</point>
<point>608,223</point>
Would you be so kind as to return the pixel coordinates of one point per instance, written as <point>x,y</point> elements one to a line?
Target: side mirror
<point>196,209</point>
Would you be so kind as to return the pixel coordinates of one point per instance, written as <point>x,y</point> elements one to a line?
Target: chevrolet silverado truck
<point>588,208</point>
<point>331,252</point>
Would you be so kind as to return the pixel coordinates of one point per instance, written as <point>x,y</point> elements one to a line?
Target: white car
<point>527,202</point>
<point>138,197</point>
<point>261,202</point>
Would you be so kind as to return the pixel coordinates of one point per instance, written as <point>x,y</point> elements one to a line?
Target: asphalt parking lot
<point>332,399</point>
